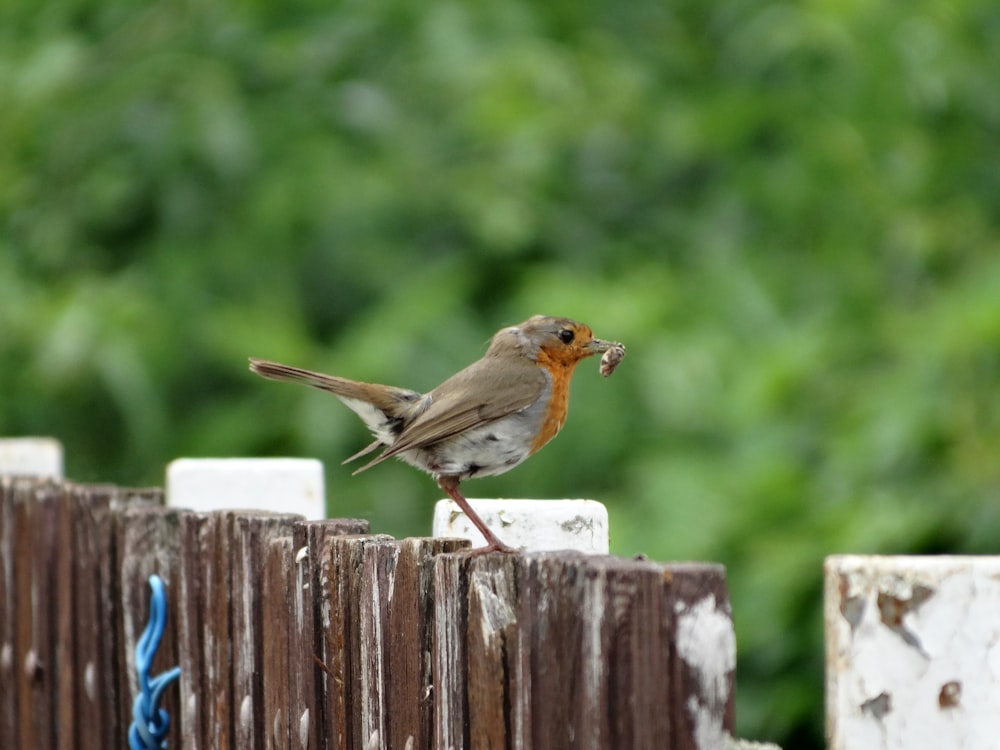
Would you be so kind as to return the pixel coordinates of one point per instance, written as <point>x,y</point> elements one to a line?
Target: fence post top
<point>288,485</point>
<point>533,525</point>
<point>32,456</point>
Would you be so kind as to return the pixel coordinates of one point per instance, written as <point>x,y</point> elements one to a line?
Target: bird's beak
<point>599,346</point>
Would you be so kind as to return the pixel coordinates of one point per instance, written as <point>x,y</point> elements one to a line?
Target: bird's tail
<point>289,374</point>
<point>387,399</point>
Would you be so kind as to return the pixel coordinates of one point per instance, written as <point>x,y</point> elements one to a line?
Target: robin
<point>480,422</point>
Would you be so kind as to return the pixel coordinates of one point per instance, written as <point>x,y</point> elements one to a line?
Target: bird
<point>482,421</point>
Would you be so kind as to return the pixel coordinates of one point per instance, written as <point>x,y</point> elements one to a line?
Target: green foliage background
<point>790,212</point>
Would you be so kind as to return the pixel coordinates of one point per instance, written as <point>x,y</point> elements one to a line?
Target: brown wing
<point>481,393</point>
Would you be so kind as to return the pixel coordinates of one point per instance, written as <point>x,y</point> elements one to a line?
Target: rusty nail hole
<point>950,695</point>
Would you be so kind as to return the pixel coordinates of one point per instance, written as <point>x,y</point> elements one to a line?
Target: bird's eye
<point>566,336</point>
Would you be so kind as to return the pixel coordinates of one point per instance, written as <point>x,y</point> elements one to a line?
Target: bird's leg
<point>493,543</point>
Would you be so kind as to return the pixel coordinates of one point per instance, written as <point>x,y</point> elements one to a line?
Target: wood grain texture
<point>557,650</point>
<point>492,643</point>
<point>410,628</point>
<point>69,714</point>
<point>96,611</point>
<point>449,651</point>
<point>253,534</point>
<point>316,642</point>
<point>8,614</point>
<point>35,654</point>
<point>277,624</point>
<point>343,658</point>
<point>196,533</point>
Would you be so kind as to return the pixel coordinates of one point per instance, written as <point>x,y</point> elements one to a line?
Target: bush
<point>789,214</point>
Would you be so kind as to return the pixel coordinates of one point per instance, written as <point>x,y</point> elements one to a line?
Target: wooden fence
<point>295,634</point>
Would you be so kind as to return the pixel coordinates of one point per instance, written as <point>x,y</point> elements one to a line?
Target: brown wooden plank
<point>598,665</point>
<point>310,605</point>
<point>194,543</point>
<point>149,544</point>
<point>94,616</point>
<point>698,591</point>
<point>328,624</point>
<point>277,626</point>
<point>68,715</point>
<point>450,663</point>
<point>341,650</point>
<point>388,658</point>
<point>410,642</point>
<point>303,675</point>
<point>24,505</point>
<point>549,651</point>
<point>375,594</point>
<point>329,645</point>
<point>492,648</point>
<point>217,643</point>
<point>9,533</point>
<point>252,535</point>
<point>643,640</point>
<point>121,592</point>
<point>40,668</point>
<point>624,656</point>
<point>87,594</point>
<point>23,654</point>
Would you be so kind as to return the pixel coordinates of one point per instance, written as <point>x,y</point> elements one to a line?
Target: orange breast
<point>555,413</point>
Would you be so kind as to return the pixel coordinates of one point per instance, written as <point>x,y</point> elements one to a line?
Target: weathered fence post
<point>554,650</point>
<point>913,652</point>
<point>312,635</point>
<point>60,661</point>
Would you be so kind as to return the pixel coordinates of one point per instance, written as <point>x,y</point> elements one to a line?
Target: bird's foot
<point>493,543</point>
<point>495,546</point>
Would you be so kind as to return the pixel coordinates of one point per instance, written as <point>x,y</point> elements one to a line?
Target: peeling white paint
<point>706,642</point>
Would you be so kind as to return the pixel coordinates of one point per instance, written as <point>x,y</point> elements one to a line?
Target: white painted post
<point>534,525</point>
<point>285,485</point>
<point>32,456</point>
<point>912,652</point>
